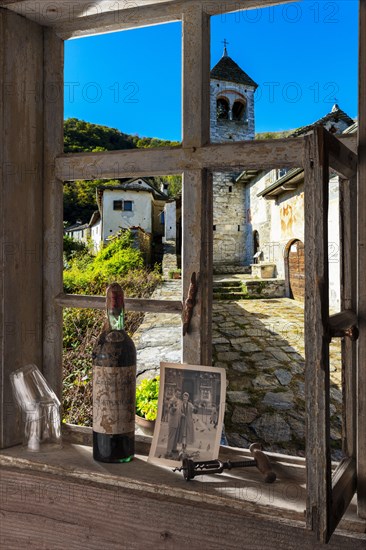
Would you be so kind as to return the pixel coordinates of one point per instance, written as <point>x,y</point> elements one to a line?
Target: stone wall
<point>228,220</point>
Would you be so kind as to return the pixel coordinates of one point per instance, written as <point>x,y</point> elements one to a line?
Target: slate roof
<point>226,69</point>
<point>130,185</point>
<point>76,227</point>
<point>335,114</point>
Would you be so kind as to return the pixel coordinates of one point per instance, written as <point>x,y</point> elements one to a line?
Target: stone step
<point>227,288</point>
<point>224,269</point>
<point>231,296</point>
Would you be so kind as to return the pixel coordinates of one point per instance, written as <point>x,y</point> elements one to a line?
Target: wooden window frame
<point>196,159</point>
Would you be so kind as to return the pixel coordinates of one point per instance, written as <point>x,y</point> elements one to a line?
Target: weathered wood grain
<point>197,256</point>
<point>341,158</point>
<point>197,186</point>
<point>21,122</point>
<point>67,15</point>
<point>174,160</point>
<point>72,501</point>
<point>131,304</point>
<point>344,484</point>
<point>348,272</point>
<point>361,376</point>
<point>196,77</point>
<point>316,342</point>
<point>52,209</point>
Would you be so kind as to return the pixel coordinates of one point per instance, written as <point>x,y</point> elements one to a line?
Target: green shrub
<point>87,274</point>
<point>147,393</point>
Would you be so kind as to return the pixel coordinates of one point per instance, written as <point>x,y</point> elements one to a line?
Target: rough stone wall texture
<point>228,220</point>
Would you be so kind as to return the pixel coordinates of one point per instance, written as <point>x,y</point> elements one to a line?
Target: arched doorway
<point>295,270</point>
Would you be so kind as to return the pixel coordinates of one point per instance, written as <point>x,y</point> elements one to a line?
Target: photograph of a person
<point>190,413</point>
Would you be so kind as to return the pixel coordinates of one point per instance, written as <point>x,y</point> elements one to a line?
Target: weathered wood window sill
<point>67,500</point>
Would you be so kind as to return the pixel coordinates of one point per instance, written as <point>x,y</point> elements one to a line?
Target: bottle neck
<point>115,307</point>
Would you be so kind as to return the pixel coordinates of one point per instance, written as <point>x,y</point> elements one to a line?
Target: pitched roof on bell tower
<point>229,71</point>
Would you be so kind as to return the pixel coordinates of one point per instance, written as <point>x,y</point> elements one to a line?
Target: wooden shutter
<point>328,494</point>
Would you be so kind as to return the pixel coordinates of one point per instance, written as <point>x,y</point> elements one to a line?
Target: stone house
<point>135,204</point>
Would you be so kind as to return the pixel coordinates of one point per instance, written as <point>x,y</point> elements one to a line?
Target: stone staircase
<point>247,289</point>
<point>229,290</point>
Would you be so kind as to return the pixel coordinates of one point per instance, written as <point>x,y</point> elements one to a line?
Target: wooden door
<point>296,270</point>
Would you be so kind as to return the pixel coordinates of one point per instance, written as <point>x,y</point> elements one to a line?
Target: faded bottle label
<point>114,390</point>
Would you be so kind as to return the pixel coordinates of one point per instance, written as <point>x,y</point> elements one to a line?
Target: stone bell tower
<point>232,102</point>
<point>232,119</point>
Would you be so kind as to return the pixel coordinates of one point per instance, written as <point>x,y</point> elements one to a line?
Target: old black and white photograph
<point>190,413</point>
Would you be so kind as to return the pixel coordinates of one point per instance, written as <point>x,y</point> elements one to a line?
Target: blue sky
<point>302,55</point>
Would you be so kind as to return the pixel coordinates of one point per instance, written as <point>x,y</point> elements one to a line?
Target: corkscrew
<point>191,469</point>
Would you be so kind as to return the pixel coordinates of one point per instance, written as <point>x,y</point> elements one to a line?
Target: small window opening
<point>117,205</point>
<point>238,227</point>
<point>282,172</point>
<point>214,227</point>
<point>230,188</point>
<point>127,206</point>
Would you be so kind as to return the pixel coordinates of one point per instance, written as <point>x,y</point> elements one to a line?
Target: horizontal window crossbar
<point>266,154</point>
<point>131,304</point>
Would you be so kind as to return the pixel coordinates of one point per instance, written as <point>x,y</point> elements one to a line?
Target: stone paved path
<point>158,338</point>
<point>260,344</point>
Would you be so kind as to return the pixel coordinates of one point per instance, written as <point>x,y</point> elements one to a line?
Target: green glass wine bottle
<point>114,386</point>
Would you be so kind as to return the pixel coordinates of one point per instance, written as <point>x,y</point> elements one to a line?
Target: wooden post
<point>53,209</point>
<point>318,464</point>
<point>197,185</point>
<point>21,159</point>
<point>361,375</point>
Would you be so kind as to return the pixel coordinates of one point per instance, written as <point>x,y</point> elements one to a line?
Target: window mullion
<point>197,186</point>
<point>52,210</point>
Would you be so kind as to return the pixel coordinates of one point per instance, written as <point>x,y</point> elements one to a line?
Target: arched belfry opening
<point>239,110</point>
<point>222,108</point>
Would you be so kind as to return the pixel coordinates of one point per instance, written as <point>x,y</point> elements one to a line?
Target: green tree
<point>81,136</point>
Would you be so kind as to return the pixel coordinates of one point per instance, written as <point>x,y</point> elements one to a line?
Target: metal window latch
<point>192,469</point>
<point>189,303</point>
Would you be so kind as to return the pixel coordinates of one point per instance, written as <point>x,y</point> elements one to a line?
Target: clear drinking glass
<point>40,408</point>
